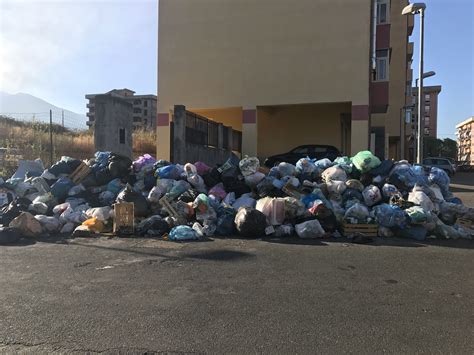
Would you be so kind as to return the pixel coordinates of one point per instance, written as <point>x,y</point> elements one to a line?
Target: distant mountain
<point>28,107</point>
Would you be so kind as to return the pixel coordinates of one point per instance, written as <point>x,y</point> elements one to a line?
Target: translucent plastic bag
<point>357,212</point>
<point>286,169</point>
<point>49,224</point>
<point>310,229</point>
<point>365,161</point>
<point>323,164</point>
<point>252,180</point>
<point>439,177</point>
<point>101,213</point>
<point>371,195</point>
<point>417,215</point>
<point>143,161</point>
<point>218,191</point>
<point>181,233</point>
<point>94,225</point>
<point>388,190</point>
<point>177,189</point>
<point>306,169</point>
<point>421,199</point>
<point>249,165</point>
<point>336,187</point>
<point>334,173</point>
<point>345,163</point>
<point>273,209</point>
<point>390,216</point>
<point>244,201</point>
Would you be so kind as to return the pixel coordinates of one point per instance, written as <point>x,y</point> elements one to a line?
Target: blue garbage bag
<point>101,160</point>
<point>439,177</point>
<point>403,177</point>
<point>61,188</point>
<point>179,233</point>
<point>306,169</point>
<point>168,172</point>
<point>413,232</point>
<point>323,164</point>
<point>390,216</point>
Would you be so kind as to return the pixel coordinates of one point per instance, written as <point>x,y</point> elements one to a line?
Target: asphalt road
<point>238,296</point>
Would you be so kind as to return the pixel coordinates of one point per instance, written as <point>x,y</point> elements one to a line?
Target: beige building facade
<point>286,73</point>
<point>465,138</point>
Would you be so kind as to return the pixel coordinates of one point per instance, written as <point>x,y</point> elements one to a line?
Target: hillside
<point>22,106</point>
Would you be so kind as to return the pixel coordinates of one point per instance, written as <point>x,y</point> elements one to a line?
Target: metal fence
<point>202,131</point>
<point>48,136</point>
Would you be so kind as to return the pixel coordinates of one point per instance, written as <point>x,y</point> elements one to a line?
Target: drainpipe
<point>374,36</point>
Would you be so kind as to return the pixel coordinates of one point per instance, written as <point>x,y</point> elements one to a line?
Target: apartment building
<point>465,138</point>
<point>287,73</point>
<point>430,109</point>
<point>144,107</point>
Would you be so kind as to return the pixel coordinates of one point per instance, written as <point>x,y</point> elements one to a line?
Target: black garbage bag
<point>13,209</point>
<point>61,167</point>
<point>212,177</point>
<point>89,181</point>
<point>73,164</point>
<point>265,188</point>
<point>139,201</point>
<point>103,177</point>
<point>350,194</point>
<point>9,235</point>
<point>250,222</point>
<point>234,182</point>
<point>154,225</point>
<point>188,196</point>
<point>225,225</point>
<point>383,169</point>
<point>119,165</point>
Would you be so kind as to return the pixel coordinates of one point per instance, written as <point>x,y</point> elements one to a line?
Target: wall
<point>242,53</point>
<point>281,128</point>
<point>230,116</point>
<point>397,78</point>
<point>113,114</point>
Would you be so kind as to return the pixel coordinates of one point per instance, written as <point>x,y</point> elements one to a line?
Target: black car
<point>314,151</point>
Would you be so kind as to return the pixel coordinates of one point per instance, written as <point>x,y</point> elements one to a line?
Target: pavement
<point>135,296</point>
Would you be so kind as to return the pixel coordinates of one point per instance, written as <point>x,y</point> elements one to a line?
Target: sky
<point>60,50</point>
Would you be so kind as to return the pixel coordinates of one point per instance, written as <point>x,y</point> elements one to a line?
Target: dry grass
<point>31,140</point>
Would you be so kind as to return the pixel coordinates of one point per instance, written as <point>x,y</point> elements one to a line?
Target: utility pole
<point>62,117</point>
<point>51,137</point>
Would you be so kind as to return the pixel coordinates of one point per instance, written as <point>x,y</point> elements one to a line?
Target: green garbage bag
<point>365,161</point>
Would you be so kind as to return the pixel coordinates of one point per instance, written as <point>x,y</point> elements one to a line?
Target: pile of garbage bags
<point>312,199</point>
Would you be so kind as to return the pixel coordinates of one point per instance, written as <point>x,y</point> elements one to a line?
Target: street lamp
<point>425,75</point>
<point>413,9</point>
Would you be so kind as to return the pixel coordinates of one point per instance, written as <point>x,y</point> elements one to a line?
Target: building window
<point>122,135</point>
<point>145,112</point>
<point>382,65</point>
<point>427,120</point>
<point>427,97</point>
<point>137,102</point>
<point>427,131</point>
<point>137,110</point>
<point>137,119</point>
<point>145,103</point>
<point>145,121</point>
<point>383,11</point>
<point>427,108</point>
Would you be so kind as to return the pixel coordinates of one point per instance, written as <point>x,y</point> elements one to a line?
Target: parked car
<point>314,151</point>
<point>442,163</point>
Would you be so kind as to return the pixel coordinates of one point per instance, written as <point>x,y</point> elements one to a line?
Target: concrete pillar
<point>359,128</point>
<point>230,138</point>
<point>220,136</point>
<point>179,134</point>
<point>163,139</point>
<point>249,131</point>
<point>113,125</point>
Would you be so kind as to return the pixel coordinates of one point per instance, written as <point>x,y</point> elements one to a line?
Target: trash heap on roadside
<point>312,199</point>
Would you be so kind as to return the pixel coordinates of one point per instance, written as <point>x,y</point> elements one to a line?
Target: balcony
<point>90,114</point>
<point>379,96</point>
<point>90,105</point>
<point>411,24</point>
<point>410,51</point>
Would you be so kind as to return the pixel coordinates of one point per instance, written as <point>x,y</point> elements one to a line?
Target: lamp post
<point>420,102</point>
<point>413,9</point>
